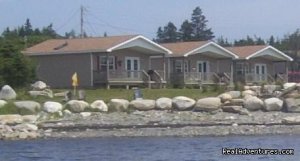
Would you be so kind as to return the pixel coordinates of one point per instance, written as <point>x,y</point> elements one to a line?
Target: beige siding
<point>57,70</point>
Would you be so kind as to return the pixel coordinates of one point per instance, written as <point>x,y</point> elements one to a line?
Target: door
<point>132,66</point>
<point>260,72</point>
<point>203,69</point>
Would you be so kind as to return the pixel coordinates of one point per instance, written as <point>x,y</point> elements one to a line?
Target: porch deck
<point>151,79</point>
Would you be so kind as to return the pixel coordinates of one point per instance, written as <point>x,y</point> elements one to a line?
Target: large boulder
<point>39,85</point>
<point>7,93</point>
<point>52,107</point>
<point>235,94</point>
<point>28,107</point>
<point>236,102</point>
<point>120,105</point>
<point>289,85</point>
<point>99,106</point>
<point>208,104</point>
<point>142,104</point>
<point>292,105</point>
<point>164,103</point>
<point>253,103</point>
<point>77,106</point>
<point>248,92</point>
<point>2,103</point>
<point>45,92</point>
<point>225,97</point>
<point>273,104</point>
<point>183,103</point>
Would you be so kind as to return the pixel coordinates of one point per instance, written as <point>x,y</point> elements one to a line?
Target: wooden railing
<point>196,77</point>
<point>252,77</point>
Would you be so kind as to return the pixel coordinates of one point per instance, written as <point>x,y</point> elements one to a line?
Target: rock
<point>2,103</point>
<point>67,113</point>
<point>208,104</point>
<point>11,119</point>
<point>120,105</point>
<point>77,106</point>
<point>232,109</point>
<point>244,111</point>
<point>253,103</point>
<point>234,94</point>
<point>46,92</point>
<point>183,103</point>
<point>225,97</point>
<point>52,107</point>
<point>248,92</point>
<point>273,104</point>
<point>29,118</point>
<point>289,89</point>
<point>246,87</point>
<point>269,89</point>
<point>39,85</point>
<point>25,127</point>
<point>292,105</point>
<point>60,94</point>
<point>28,107</point>
<point>291,120</point>
<point>289,85</point>
<point>99,105</point>
<point>237,102</point>
<point>142,104</point>
<point>164,103</point>
<point>7,93</point>
<point>85,114</point>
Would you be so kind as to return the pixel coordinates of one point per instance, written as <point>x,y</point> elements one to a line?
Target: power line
<point>68,20</point>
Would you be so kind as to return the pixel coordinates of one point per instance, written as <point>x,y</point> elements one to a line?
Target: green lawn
<point>106,95</point>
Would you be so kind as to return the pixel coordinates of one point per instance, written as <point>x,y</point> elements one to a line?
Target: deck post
<point>286,72</point>
<point>164,67</point>
<point>231,74</point>
<point>92,70</point>
<point>107,70</point>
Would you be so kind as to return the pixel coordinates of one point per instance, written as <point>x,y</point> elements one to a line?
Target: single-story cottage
<point>115,60</point>
<point>260,63</point>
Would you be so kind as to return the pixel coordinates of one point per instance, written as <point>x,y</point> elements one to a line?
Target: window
<point>239,68</point>
<point>178,66</point>
<point>103,64</point>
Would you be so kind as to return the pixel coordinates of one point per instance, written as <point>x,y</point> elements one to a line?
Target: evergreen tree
<point>186,31</point>
<point>27,27</point>
<point>223,42</point>
<point>200,30</point>
<point>271,41</point>
<point>159,35</point>
<point>170,33</point>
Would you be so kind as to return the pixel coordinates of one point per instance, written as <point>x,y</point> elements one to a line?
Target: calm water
<point>148,149</point>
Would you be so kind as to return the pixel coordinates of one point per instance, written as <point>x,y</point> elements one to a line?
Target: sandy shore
<point>163,123</point>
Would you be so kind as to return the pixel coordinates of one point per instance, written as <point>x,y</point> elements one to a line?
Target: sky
<point>232,19</point>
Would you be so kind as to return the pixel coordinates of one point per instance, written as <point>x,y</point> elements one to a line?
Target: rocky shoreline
<point>257,110</point>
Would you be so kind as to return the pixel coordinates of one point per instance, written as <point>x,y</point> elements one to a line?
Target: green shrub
<point>9,108</point>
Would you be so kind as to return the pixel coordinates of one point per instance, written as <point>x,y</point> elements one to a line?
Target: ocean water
<point>148,148</point>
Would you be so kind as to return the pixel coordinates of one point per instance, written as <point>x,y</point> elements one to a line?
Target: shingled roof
<point>245,51</point>
<point>77,45</point>
<point>181,48</point>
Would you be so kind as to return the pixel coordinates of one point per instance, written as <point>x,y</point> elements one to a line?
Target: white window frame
<point>113,64</point>
<point>178,69</point>
<point>201,62</point>
<point>133,58</point>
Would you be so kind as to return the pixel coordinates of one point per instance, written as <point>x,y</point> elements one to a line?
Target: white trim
<point>109,57</point>
<point>214,44</point>
<point>141,37</point>
<point>201,62</point>
<point>132,58</point>
<point>272,48</point>
<point>155,57</point>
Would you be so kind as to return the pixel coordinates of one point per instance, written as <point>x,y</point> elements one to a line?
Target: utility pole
<point>81,21</point>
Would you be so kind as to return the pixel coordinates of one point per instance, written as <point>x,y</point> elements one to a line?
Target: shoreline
<point>163,124</point>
